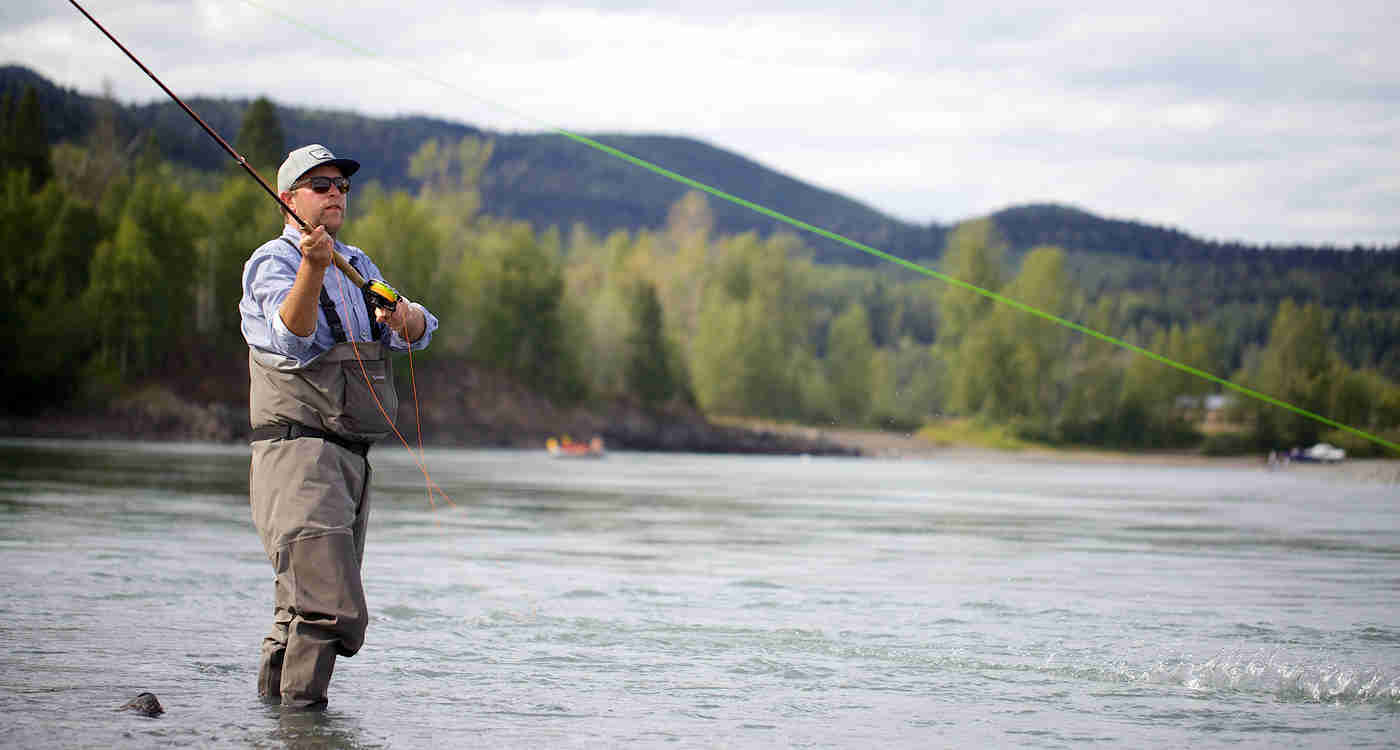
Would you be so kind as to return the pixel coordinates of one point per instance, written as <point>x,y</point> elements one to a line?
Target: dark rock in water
<point>144,704</point>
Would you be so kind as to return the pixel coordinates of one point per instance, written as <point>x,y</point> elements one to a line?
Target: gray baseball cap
<point>302,160</point>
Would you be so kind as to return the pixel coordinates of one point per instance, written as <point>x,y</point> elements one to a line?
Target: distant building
<point>1218,401</point>
<point>1209,412</point>
<point>1212,403</point>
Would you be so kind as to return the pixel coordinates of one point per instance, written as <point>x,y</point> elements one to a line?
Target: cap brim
<point>347,167</point>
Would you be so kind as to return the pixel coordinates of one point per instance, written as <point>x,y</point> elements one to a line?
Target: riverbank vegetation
<point>120,266</point>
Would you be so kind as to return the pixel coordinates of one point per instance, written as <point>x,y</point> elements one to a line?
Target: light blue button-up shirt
<point>267,279</point>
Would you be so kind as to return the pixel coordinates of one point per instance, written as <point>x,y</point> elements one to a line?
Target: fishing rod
<point>376,291</point>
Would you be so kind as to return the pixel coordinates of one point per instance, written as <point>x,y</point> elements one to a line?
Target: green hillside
<point>545,179</point>
<point>549,180</point>
<point>128,225</point>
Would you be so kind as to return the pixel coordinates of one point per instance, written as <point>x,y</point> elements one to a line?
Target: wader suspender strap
<point>328,307</point>
<point>332,317</point>
<point>375,328</point>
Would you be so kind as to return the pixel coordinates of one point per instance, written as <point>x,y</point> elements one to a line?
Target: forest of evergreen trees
<point>120,265</point>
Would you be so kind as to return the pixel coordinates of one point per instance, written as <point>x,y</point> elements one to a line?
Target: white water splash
<point>1277,675</point>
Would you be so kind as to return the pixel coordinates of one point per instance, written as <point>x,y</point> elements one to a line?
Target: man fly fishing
<point>321,392</point>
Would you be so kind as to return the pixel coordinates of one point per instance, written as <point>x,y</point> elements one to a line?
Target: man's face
<point>325,209</point>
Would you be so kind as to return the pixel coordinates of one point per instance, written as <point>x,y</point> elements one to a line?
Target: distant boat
<point>1323,453</point>
<point>567,448</point>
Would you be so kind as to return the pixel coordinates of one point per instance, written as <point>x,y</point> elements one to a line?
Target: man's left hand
<point>406,319</point>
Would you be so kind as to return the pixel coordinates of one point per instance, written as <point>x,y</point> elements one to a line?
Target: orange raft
<point>567,448</point>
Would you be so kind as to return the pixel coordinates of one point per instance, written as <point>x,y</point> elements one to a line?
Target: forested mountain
<point>128,223</point>
<point>545,179</point>
<point>549,180</point>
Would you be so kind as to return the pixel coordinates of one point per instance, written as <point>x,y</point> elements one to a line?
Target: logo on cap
<point>320,153</point>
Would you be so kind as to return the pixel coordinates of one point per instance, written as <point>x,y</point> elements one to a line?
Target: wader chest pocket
<point>362,400</point>
<point>330,393</point>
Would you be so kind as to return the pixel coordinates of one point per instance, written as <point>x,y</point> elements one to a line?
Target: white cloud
<point>1267,122</point>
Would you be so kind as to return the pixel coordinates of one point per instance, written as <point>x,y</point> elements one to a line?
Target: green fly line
<point>848,242</point>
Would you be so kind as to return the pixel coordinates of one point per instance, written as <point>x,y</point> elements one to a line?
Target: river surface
<point>703,602</point>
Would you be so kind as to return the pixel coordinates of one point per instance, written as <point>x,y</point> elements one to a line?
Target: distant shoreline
<point>766,439</point>
<point>897,445</point>
<point>468,407</point>
<point>475,408</point>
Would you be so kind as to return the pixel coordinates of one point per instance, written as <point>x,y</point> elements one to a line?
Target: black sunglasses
<point>320,184</point>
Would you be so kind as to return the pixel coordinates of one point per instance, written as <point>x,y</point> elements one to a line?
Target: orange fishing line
<point>418,458</point>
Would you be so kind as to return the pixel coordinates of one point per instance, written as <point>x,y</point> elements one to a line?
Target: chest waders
<point>313,425</point>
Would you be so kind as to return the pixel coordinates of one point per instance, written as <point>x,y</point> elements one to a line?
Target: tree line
<point>123,265</point>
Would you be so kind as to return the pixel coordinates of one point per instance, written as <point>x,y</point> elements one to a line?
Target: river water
<point>701,602</point>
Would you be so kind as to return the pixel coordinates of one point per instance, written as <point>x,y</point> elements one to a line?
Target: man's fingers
<point>397,320</point>
<point>317,246</point>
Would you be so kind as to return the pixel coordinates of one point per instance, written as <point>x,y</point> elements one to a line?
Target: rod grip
<point>347,269</point>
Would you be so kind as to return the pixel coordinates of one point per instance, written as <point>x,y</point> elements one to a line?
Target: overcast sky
<point>1278,122</point>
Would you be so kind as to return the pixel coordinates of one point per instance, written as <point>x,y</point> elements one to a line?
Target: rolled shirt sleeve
<point>395,340</point>
<point>267,280</point>
<point>391,338</point>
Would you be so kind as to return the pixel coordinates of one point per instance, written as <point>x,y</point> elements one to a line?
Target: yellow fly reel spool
<point>381,295</point>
